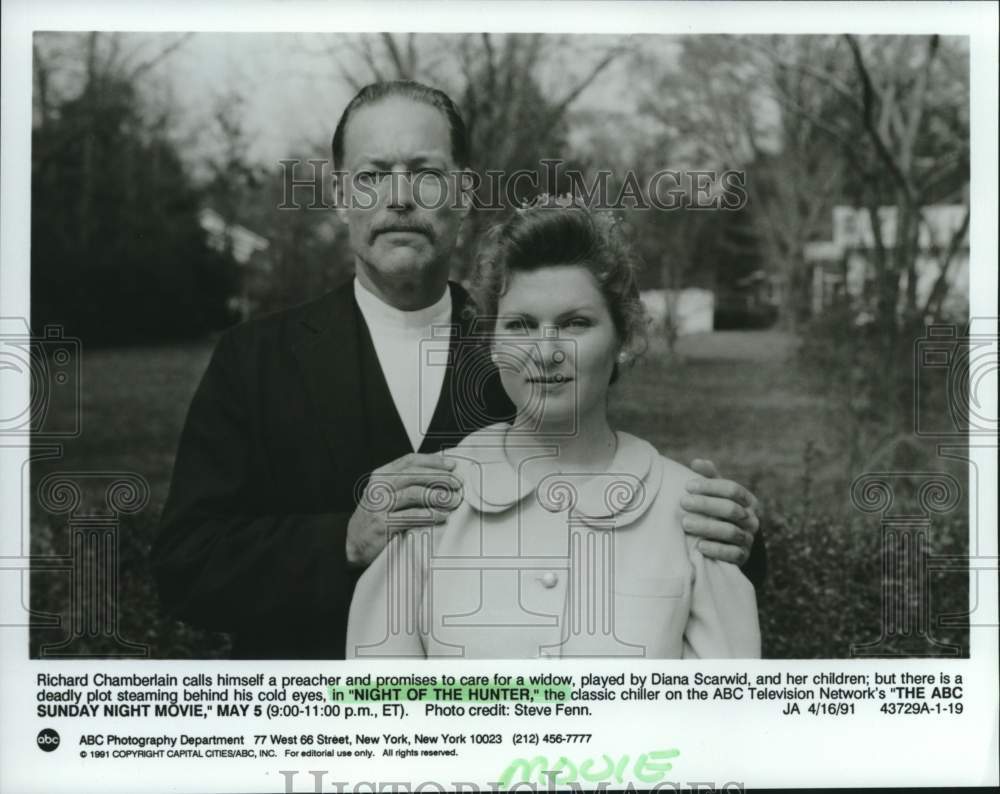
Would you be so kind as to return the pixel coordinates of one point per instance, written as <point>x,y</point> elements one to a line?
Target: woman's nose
<point>550,349</point>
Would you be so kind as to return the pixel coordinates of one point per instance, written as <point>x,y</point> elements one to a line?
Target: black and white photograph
<point>732,252</point>
<point>366,347</point>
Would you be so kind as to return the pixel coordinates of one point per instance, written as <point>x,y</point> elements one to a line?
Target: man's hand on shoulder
<point>414,490</point>
<point>722,513</point>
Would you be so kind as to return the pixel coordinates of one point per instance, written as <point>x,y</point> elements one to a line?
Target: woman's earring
<point>622,357</point>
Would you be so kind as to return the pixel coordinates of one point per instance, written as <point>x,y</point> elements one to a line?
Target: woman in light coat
<point>568,541</point>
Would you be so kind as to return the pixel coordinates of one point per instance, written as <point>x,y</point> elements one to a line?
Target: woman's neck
<point>589,448</point>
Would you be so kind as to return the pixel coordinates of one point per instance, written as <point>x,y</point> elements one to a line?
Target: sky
<point>293,87</point>
<point>292,90</point>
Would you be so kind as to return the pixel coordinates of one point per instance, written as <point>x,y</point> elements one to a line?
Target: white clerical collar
<point>382,314</point>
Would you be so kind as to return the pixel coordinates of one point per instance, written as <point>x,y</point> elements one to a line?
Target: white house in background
<point>244,245</point>
<point>842,267</point>
<point>222,235</point>
<point>693,309</point>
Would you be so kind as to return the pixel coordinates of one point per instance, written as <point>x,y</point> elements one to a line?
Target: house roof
<point>852,230</point>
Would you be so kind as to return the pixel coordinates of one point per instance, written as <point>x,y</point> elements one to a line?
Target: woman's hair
<point>554,231</point>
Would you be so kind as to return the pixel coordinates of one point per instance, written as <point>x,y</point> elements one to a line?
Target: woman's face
<point>555,346</point>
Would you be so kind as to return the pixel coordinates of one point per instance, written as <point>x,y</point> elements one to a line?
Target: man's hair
<point>408,89</point>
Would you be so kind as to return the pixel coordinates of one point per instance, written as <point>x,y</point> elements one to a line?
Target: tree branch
<point>560,107</point>
<point>395,56</point>
<point>165,53</point>
<point>869,95</point>
<point>940,289</point>
<point>839,86</point>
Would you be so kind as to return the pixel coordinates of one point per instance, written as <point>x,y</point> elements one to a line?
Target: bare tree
<point>496,78</point>
<point>906,110</point>
<point>732,102</point>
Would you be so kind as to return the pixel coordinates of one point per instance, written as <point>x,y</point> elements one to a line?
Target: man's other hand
<point>414,490</point>
<point>721,512</point>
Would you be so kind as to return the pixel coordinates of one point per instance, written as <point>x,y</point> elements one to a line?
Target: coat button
<point>550,579</point>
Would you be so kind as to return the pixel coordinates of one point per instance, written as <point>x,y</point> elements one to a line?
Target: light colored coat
<point>575,565</point>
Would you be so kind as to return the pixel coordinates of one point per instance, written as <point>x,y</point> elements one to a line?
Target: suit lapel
<point>327,351</point>
<point>442,423</point>
<point>450,422</point>
<point>330,345</point>
<point>385,435</point>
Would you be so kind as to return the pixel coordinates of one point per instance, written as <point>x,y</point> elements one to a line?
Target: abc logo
<point>48,740</point>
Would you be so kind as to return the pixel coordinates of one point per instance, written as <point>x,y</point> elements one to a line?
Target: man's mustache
<point>402,226</point>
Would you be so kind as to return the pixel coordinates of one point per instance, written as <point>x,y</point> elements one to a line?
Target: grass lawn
<point>738,398</point>
<point>133,404</point>
<point>735,397</point>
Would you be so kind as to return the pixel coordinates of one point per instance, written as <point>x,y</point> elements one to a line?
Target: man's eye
<point>369,177</point>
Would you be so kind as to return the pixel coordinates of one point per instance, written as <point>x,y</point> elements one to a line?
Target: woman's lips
<point>556,380</point>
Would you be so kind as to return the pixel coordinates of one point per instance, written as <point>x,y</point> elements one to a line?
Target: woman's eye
<point>523,328</point>
<point>577,322</point>
<point>514,326</point>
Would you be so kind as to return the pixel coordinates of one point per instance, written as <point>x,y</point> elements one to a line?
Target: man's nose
<point>400,191</point>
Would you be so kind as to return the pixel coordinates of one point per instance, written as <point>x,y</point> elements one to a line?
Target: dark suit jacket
<point>290,418</point>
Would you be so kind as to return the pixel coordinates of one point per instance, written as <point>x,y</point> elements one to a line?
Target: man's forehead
<point>397,129</point>
<point>397,152</point>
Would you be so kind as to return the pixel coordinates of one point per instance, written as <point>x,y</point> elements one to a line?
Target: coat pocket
<point>651,613</point>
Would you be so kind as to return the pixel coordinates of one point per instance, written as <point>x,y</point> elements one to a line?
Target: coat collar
<point>492,484</point>
<point>331,312</point>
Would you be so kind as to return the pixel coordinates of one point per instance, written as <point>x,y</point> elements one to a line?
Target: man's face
<point>400,194</point>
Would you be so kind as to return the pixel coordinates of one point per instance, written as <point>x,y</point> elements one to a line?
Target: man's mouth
<point>402,230</point>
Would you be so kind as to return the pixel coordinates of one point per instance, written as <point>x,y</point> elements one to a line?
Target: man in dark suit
<point>303,412</point>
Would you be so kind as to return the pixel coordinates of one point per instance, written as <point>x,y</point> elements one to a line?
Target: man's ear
<point>466,182</point>
<point>340,194</point>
